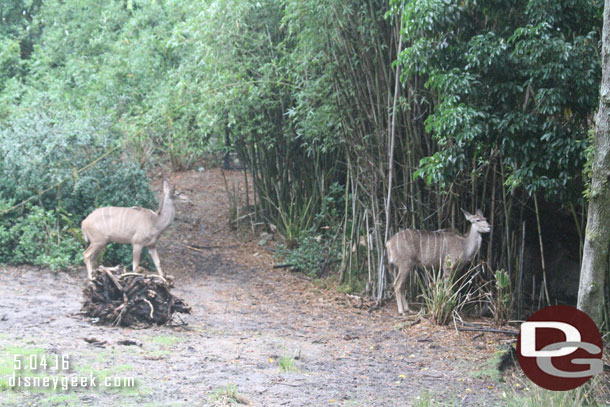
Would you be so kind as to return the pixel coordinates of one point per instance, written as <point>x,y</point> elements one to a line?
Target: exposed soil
<point>245,317</point>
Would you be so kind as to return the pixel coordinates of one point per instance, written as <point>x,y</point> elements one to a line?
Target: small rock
<point>262,242</point>
<point>182,197</point>
<point>200,169</point>
<point>129,342</point>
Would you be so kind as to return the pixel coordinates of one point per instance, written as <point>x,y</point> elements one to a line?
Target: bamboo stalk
<point>544,279</point>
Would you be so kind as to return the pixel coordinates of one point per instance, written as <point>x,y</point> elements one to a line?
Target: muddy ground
<point>256,335</point>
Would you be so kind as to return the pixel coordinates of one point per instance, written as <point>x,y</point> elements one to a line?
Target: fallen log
<point>117,298</point>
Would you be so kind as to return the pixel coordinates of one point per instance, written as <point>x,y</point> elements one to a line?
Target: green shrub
<point>312,253</point>
<point>46,157</point>
<point>446,292</point>
<point>286,364</point>
<point>40,237</point>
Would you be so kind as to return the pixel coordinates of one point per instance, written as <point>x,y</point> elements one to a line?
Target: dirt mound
<point>117,298</point>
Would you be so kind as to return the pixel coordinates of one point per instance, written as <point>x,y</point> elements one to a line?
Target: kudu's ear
<point>467,215</point>
<point>480,214</point>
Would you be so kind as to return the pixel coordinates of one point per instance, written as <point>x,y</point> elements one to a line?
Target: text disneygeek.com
<point>68,382</point>
<point>55,372</point>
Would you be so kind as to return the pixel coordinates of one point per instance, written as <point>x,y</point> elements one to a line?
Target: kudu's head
<point>167,190</point>
<point>166,210</point>
<point>479,223</point>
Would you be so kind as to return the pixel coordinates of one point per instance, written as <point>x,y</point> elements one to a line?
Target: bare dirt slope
<point>248,321</point>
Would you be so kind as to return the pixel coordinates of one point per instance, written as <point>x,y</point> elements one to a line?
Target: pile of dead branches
<point>117,298</point>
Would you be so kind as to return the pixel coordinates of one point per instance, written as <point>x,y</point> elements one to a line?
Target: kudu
<point>442,248</point>
<point>136,226</point>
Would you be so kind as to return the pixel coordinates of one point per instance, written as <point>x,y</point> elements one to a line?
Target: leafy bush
<point>312,254</point>
<point>527,88</point>
<point>62,166</point>
<point>501,302</point>
<point>40,238</point>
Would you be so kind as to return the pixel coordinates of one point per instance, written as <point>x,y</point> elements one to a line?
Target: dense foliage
<point>56,168</point>
<point>517,80</point>
<point>355,118</point>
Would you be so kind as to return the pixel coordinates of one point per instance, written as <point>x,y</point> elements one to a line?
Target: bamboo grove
<point>416,109</point>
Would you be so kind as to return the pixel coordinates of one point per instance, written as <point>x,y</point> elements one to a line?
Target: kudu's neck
<point>472,242</point>
<point>165,215</point>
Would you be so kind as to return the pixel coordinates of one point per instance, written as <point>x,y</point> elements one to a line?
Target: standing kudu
<point>136,226</point>
<point>410,248</point>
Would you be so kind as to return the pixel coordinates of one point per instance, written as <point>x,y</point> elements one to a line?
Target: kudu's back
<point>424,248</point>
<point>120,225</point>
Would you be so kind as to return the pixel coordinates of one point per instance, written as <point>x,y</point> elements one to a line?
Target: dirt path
<point>247,320</point>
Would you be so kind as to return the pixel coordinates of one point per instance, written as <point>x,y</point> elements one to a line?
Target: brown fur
<point>410,248</point>
<point>136,226</point>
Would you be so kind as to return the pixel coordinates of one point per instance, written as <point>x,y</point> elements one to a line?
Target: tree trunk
<point>597,237</point>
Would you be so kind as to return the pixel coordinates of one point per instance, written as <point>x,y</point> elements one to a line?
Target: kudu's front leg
<point>90,255</point>
<point>399,284</point>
